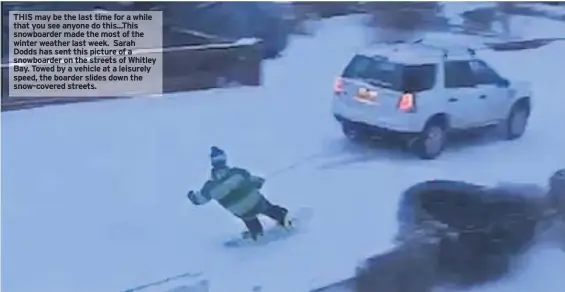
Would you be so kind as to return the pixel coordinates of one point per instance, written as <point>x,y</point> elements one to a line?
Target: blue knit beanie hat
<point>217,157</point>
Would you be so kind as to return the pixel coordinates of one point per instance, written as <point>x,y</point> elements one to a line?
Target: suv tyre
<point>431,142</point>
<point>516,123</point>
<point>353,133</point>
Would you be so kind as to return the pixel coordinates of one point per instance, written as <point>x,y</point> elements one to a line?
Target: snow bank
<point>528,27</point>
<point>557,11</point>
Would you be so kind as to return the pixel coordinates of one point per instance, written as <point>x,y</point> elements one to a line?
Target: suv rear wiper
<point>376,82</point>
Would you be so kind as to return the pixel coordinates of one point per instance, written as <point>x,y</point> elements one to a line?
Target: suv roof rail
<point>421,41</point>
<point>445,51</point>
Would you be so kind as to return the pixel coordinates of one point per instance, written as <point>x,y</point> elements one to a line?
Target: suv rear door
<point>368,82</point>
<point>466,103</point>
<point>377,82</point>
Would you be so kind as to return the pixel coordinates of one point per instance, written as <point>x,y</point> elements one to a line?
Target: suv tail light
<point>407,102</point>
<point>338,85</point>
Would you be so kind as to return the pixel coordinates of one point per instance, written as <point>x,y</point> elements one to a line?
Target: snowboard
<point>272,231</point>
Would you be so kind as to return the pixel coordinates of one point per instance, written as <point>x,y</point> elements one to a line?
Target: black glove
<point>191,196</point>
<point>258,181</point>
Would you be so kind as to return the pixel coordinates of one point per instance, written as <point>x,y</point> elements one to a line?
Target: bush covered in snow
<point>492,225</point>
<point>463,234</point>
<point>399,21</point>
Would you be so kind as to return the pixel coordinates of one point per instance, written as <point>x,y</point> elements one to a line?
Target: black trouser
<point>272,211</point>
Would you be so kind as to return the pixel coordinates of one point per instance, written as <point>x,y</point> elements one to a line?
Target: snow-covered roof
<point>418,53</point>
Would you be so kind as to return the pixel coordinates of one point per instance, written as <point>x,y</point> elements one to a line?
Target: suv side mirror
<point>503,82</point>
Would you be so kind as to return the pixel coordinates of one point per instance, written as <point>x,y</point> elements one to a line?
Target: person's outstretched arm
<point>200,197</point>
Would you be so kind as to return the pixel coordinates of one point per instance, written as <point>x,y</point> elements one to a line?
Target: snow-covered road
<point>94,194</point>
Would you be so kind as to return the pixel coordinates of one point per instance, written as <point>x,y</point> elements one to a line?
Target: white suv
<point>420,92</point>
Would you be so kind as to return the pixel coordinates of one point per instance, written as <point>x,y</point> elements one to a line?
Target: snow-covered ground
<point>535,27</point>
<point>557,11</point>
<point>94,194</point>
<point>519,26</point>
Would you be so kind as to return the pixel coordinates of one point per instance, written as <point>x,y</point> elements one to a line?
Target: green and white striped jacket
<point>234,189</point>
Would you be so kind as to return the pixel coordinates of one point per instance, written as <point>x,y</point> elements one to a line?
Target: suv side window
<point>417,78</point>
<point>459,74</point>
<point>484,74</point>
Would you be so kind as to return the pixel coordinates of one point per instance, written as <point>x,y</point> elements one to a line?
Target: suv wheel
<point>516,122</point>
<point>430,143</point>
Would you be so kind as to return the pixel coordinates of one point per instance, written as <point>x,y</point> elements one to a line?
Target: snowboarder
<point>237,190</point>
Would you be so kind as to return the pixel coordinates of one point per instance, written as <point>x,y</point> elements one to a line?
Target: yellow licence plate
<point>366,95</point>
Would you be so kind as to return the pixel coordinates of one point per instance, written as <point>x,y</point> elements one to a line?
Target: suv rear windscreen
<point>385,74</point>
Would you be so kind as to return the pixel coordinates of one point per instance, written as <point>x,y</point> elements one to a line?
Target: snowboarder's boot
<point>285,222</point>
<point>254,227</point>
<point>254,236</point>
<point>279,214</point>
